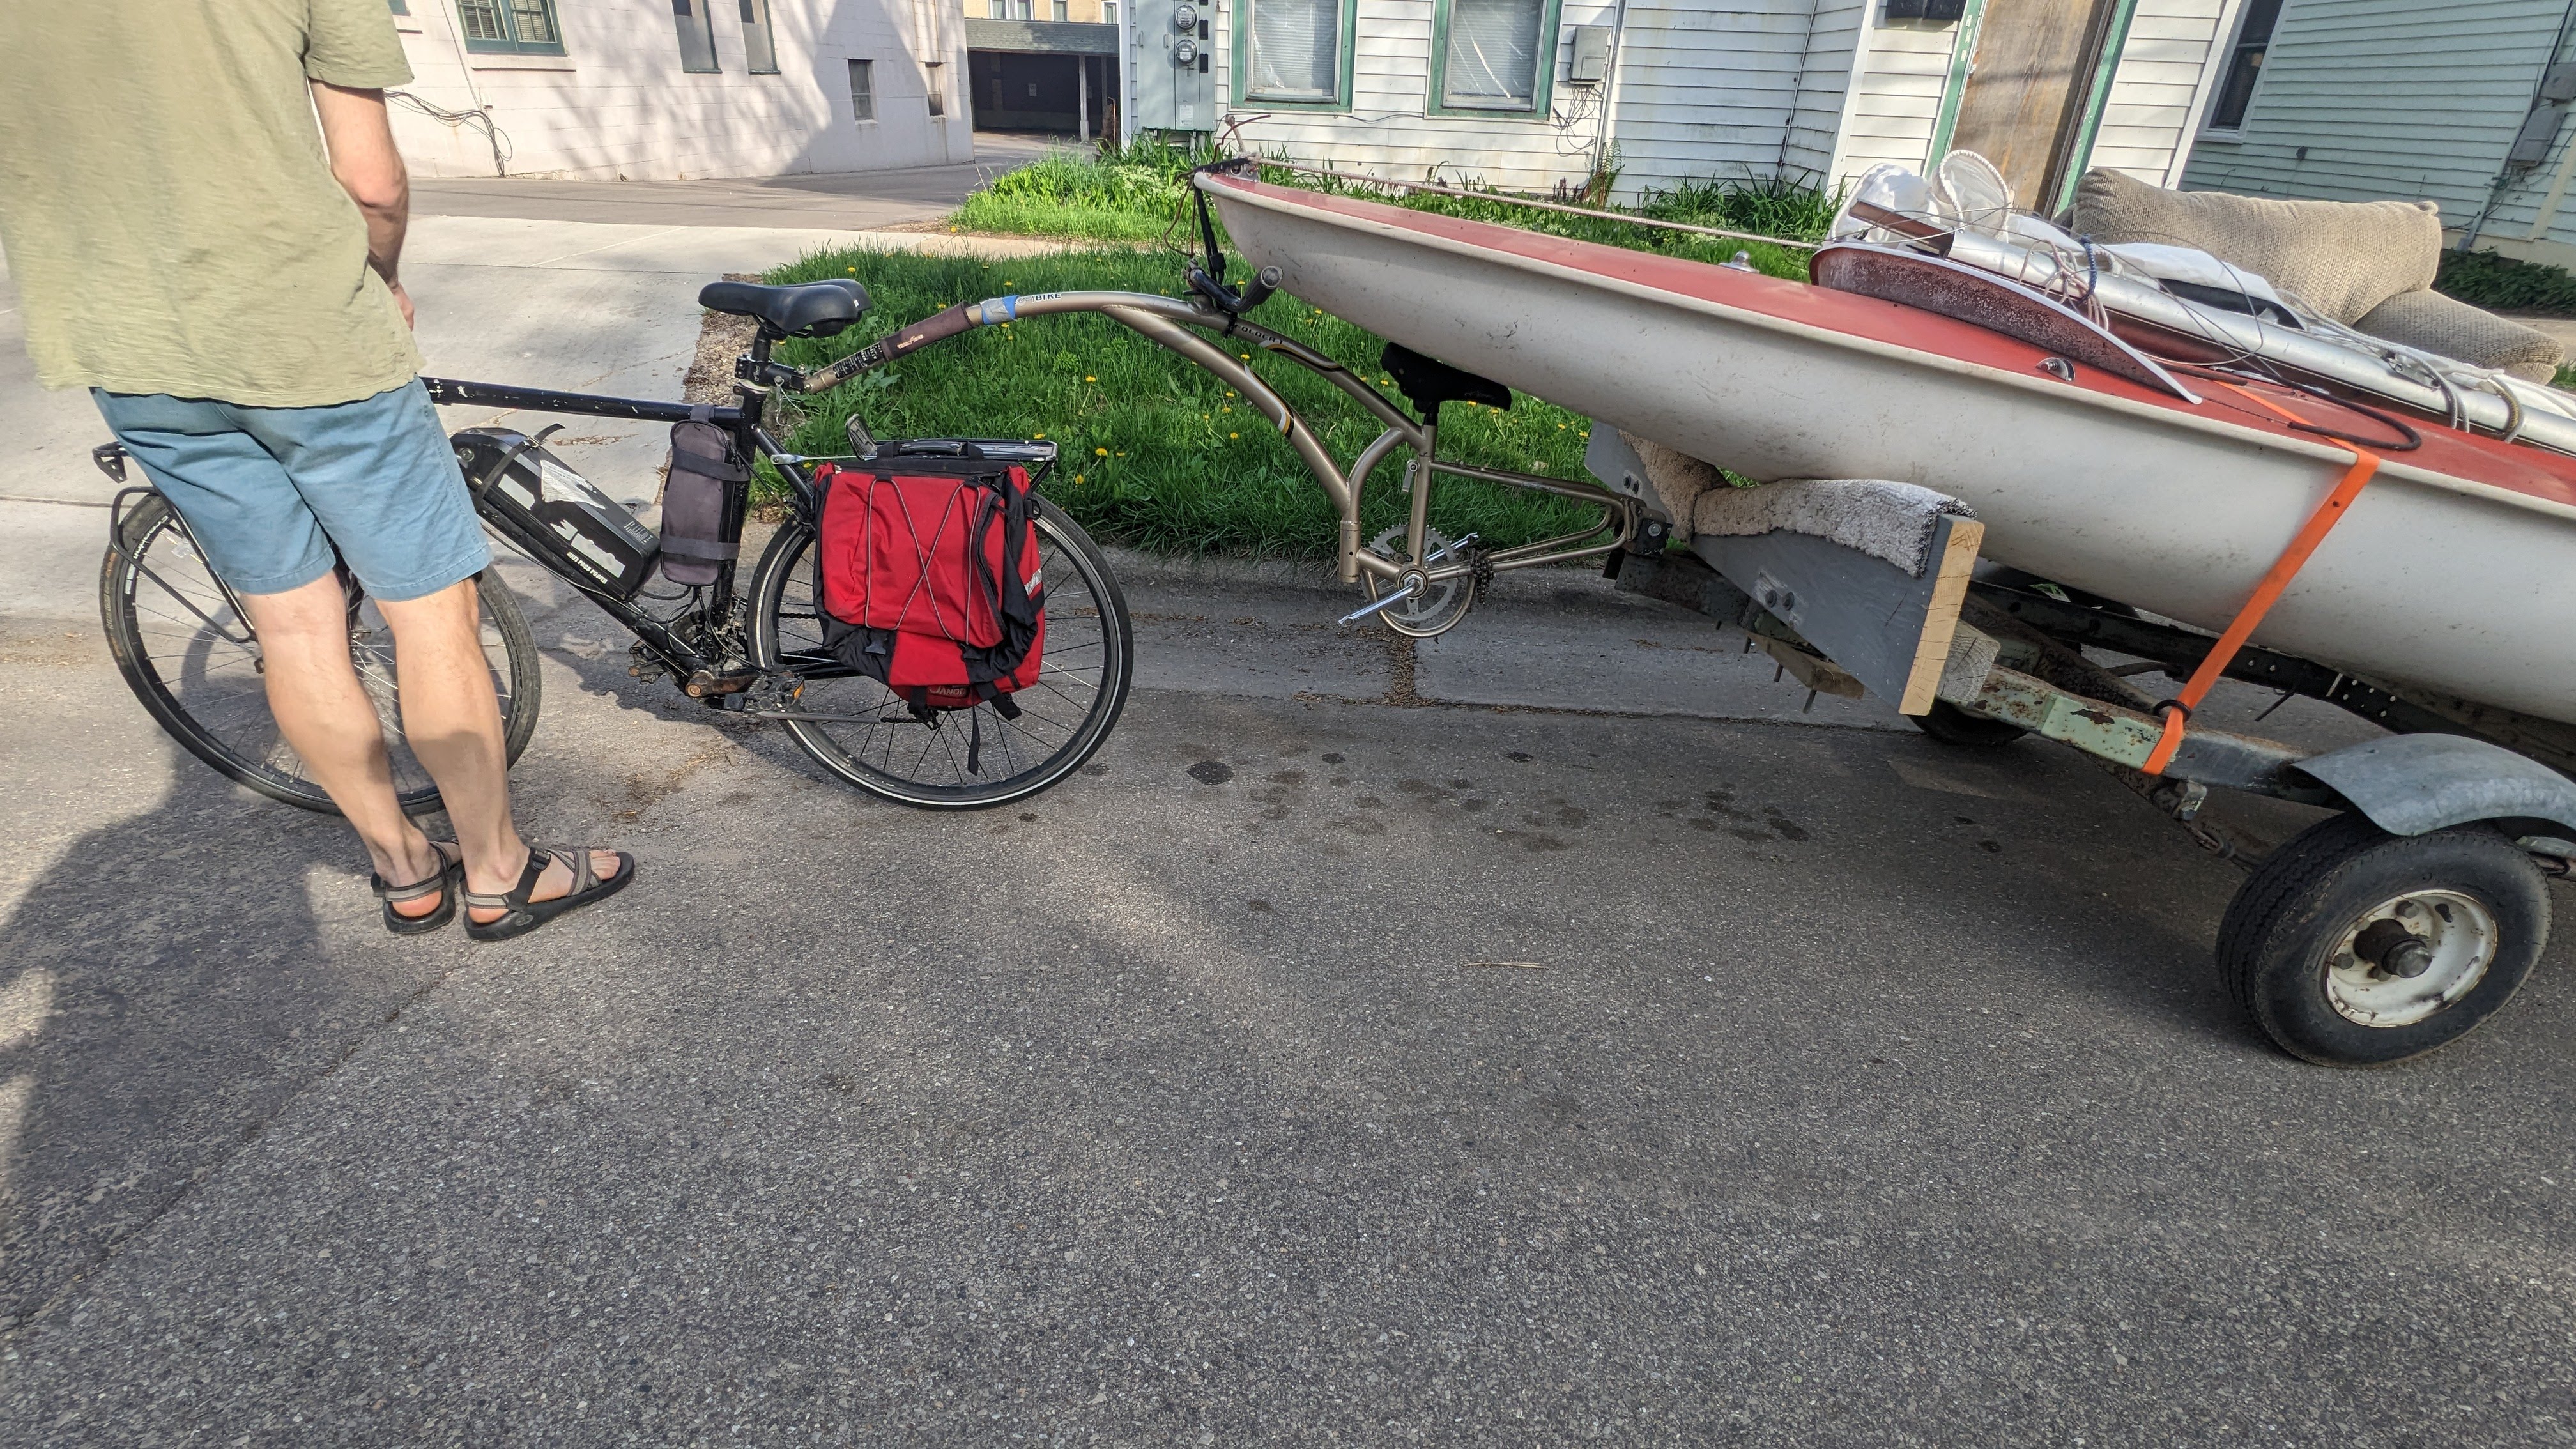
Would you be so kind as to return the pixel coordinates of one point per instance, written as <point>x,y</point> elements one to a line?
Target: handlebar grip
<point>1258,290</point>
<point>937,327</point>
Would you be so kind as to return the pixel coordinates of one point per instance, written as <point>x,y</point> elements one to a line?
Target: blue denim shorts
<point>269,491</point>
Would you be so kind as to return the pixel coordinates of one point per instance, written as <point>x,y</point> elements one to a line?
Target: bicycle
<point>186,647</point>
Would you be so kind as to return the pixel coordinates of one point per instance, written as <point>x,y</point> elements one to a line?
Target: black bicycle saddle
<point>806,309</point>
<point>1428,382</point>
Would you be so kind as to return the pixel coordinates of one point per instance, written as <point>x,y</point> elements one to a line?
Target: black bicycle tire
<point>117,573</point>
<point>769,582</point>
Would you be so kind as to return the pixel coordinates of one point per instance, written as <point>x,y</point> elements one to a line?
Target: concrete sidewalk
<point>844,201</point>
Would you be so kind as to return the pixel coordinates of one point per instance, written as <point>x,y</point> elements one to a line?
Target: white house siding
<point>1716,90</point>
<point>2390,99</point>
<point>617,105</point>
<point>1386,132</point>
<point>2156,90</point>
<point>1895,100</point>
<point>1834,32</point>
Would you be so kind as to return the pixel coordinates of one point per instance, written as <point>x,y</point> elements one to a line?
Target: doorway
<point>2027,101</point>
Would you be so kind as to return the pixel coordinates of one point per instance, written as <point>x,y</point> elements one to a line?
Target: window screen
<point>1492,61</point>
<point>697,33</point>
<point>526,26</point>
<point>1296,50</point>
<point>759,43</point>
<point>863,90</point>
<point>2244,64</point>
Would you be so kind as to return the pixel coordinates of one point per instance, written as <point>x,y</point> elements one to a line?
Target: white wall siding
<point>1896,97</point>
<point>1709,90</point>
<point>617,105</point>
<point>2156,87</point>
<point>1713,89</point>
<point>1387,131</point>
<point>2389,98</point>
<point>1834,32</point>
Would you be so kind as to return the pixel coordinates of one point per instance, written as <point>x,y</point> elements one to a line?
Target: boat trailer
<point>2384,931</point>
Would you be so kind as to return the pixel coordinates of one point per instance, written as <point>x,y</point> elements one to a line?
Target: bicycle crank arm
<point>707,684</point>
<point>1388,602</point>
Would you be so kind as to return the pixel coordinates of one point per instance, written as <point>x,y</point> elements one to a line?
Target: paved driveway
<point>1618,1055</point>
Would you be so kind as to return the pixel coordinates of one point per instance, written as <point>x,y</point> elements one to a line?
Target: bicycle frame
<point>701,676</point>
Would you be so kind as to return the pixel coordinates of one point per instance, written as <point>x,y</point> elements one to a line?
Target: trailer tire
<point>2287,948</point>
<point>1952,725</point>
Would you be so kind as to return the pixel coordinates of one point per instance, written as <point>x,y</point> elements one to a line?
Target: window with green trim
<point>759,42</point>
<point>1491,56</point>
<point>697,28</point>
<point>1294,53</point>
<point>510,27</point>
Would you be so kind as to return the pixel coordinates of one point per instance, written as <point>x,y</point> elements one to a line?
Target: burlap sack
<point>2453,328</point>
<point>2342,258</point>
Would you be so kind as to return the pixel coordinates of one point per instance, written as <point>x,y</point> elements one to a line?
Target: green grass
<point>1156,453</point>
<point>2501,284</point>
<point>1137,193</point>
<point>1773,206</point>
<point>1128,195</point>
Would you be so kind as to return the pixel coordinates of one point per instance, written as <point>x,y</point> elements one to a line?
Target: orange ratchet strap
<point>2266,594</point>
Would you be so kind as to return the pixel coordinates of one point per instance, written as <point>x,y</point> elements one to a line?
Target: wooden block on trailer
<point>1872,574</point>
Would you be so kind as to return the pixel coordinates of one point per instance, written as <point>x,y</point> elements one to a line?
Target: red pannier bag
<point>930,579</point>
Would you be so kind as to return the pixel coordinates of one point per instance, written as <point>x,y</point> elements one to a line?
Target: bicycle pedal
<point>708,684</point>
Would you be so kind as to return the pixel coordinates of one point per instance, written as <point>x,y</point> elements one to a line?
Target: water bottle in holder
<point>547,507</point>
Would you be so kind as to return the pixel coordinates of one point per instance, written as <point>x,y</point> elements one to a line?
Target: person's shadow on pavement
<point>166,987</point>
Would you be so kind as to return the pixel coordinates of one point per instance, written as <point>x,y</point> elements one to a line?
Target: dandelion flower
<point>1234,435</point>
<point>1100,452</point>
<point>1039,438</point>
<point>1094,379</point>
<point>1077,478</point>
<point>1229,392</point>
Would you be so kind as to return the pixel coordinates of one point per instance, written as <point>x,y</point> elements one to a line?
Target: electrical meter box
<point>1171,53</point>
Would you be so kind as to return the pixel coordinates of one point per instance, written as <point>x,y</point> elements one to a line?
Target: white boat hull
<point>2433,580</point>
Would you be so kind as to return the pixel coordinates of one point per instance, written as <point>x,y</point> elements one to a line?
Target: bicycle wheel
<point>192,659</point>
<point>963,759</point>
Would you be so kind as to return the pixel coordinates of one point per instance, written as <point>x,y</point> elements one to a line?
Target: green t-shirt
<point>168,208</point>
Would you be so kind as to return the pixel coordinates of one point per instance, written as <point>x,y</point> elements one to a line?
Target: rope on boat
<point>1558,206</point>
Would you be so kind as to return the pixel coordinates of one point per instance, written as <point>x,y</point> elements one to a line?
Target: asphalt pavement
<point>1553,1033</point>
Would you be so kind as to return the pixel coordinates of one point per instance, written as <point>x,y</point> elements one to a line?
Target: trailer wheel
<point>1952,725</point>
<point>2354,947</point>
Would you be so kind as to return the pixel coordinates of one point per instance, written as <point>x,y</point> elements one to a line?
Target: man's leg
<point>257,531</point>
<point>326,715</point>
<point>452,720</point>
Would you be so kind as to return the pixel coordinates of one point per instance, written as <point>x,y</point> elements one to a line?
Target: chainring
<point>1437,609</point>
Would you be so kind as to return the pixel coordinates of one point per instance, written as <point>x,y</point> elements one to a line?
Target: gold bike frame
<point>1168,322</point>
